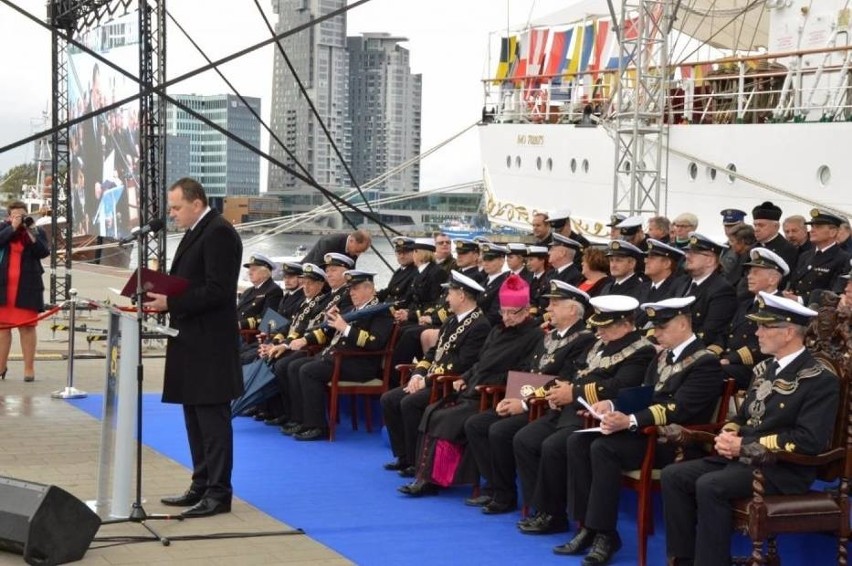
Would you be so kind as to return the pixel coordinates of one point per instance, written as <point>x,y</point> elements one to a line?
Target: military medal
<point>757,407</point>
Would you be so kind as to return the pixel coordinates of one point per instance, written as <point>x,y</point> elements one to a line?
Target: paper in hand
<point>588,407</point>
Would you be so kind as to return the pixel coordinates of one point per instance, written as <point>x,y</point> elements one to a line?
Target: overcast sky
<point>448,42</point>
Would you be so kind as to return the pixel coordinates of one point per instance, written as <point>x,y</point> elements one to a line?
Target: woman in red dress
<point>595,271</point>
<point>22,247</point>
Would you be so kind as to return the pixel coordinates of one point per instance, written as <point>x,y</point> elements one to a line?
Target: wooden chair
<point>646,480</point>
<point>373,388</point>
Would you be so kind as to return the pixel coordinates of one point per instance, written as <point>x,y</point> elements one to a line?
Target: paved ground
<point>48,441</point>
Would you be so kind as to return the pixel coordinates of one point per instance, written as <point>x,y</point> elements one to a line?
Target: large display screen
<point>104,150</point>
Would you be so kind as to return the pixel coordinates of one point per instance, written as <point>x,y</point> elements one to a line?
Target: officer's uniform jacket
<point>397,289</point>
<point>714,307</point>
<point>254,301</point>
<point>819,270</point>
<point>488,300</point>
<point>458,345</point>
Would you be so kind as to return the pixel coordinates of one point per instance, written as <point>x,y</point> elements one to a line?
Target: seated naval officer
<point>618,359</point>
<point>400,282</point>
<point>614,221</point>
<point>490,433</point>
<point>790,406</point>
<point>516,260</point>
<point>660,275</point>
<point>562,256</point>
<point>687,381</point>
<point>310,314</point>
<point>623,262</point>
<point>631,231</point>
<point>460,339</point>
<point>494,266</point>
<point>263,294</point>
<point>715,301</point>
<point>821,267</point>
<point>738,348</point>
<point>293,292</point>
<point>560,222</point>
<point>426,286</point>
<point>507,347</point>
<point>308,377</point>
<point>731,261</point>
<point>539,284</point>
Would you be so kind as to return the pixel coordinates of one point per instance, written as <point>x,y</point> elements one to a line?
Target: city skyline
<point>448,43</point>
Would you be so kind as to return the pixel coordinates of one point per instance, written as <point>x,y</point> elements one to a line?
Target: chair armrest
<point>445,377</point>
<point>685,436</point>
<point>405,371</point>
<point>493,389</point>
<point>758,455</point>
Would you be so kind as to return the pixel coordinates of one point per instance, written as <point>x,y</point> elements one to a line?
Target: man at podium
<point>203,362</point>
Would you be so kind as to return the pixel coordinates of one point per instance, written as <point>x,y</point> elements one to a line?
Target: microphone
<point>152,227</point>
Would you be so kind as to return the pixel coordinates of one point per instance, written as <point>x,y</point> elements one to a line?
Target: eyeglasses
<point>512,312</point>
<point>442,243</point>
<point>683,226</point>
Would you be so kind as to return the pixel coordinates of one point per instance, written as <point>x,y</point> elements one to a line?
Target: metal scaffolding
<point>639,104</point>
<point>71,17</point>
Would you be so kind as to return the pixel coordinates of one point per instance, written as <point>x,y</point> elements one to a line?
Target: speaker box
<point>44,523</point>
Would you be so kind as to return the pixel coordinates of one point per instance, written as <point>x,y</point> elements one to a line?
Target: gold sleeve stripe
<point>732,427</point>
<point>442,315</point>
<point>771,441</point>
<point>363,336</point>
<point>252,323</point>
<point>745,356</point>
<point>423,364</point>
<point>293,336</point>
<point>716,349</point>
<point>659,413</point>
<point>591,393</point>
<point>319,335</point>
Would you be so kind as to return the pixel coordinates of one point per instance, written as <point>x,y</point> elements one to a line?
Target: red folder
<point>155,282</point>
<point>518,379</point>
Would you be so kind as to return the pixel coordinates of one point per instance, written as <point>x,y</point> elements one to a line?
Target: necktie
<point>670,357</point>
<point>771,370</point>
<point>691,289</point>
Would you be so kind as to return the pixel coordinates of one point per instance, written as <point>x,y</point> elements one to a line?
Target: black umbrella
<point>259,384</point>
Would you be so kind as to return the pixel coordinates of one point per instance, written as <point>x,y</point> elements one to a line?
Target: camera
<point>28,221</point>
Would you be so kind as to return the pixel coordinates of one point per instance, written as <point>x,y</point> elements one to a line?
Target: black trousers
<point>295,406</point>
<point>594,470</point>
<point>489,439</point>
<point>279,368</point>
<point>697,502</point>
<point>313,379</point>
<point>541,452</point>
<point>402,413</point>
<point>211,444</point>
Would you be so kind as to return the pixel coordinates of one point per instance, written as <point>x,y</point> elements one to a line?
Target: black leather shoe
<point>207,507</point>
<point>480,501</point>
<point>544,524</point>
<point>603,548</point>
<point>396,465</point>
<point>250,412</point>
<point>408,472</point>
<point>260,416</point>
<point>418,489</point>
<point>277,421</point>
<point>497,508</point>
<point>291,428</point>
<point>189,498</point>
<point>576,545</point>
<point>312,434</point>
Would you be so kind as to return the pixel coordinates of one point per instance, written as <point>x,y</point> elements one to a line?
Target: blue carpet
<point>338,493</point>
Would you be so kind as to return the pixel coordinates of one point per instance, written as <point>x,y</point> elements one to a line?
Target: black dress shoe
<point>396,465</point>
<point>207,507</point>
<point>603,548</point>
<point>311,434</point>
<point>189,498</point>
<point>419,488</point>
<point>250,412</point>
<point>277,421</point>
<point>260,416</point>
<point>480,501</point>
<point>408,472</point>
<point>576,545</point>
<point>291,428</point>
<point>497,507</point>
<point>544,524</point>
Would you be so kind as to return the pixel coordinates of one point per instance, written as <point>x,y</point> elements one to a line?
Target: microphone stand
<point>137,512</point>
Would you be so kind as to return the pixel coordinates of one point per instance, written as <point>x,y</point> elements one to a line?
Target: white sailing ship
<point>751,103</point>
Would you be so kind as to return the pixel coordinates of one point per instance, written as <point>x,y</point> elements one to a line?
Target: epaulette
<point>812,371</point>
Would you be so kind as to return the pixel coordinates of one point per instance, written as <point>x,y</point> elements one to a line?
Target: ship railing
<point>794,86</point>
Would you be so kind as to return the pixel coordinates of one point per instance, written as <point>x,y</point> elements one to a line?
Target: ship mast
<point>642,28</point>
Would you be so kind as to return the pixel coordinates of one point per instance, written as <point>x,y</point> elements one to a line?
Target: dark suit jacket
<point>631,288</point>
<point>326,244</point>
<point>425,290</point>
<point>779,244</point>
<point>685,392</point>
<point>645,294</point>
<point>489,301</point>
<point>400,282</point>
<point>460,354</point>
<point>504,349</point>
<point>557,356</point>
<point>254,301</point>
<point>799,417</point>
<point>714,307</point>
<point>289,304</point>
<point>203,361</point>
